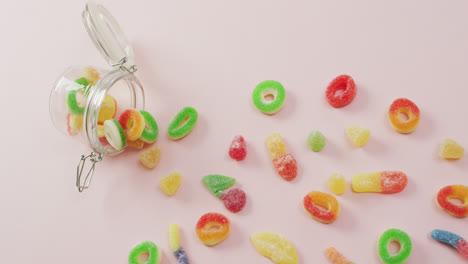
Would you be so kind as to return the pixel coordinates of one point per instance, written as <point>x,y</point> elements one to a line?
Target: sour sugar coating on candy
<point>459,192</point>
<point>265,89</point>
<point>133,124</point>
<point>399,236</point>
<point>449,149</point>
<point>386,182</point>
<point>337,184</point>
<point>151,131</point>
<point>275,247</point>
<point>408,108</point>
<point>147,248</point>
<point>150,157</point>
<point>335,257</point>
<point>107,110</point>
<point>213,228</point>
<point>74,107</point>
<point>345,84</point>
<point>275,145</point>
<point>170,183</point>
<point>183,123</point>
<point>357,135</point>
<point>238,148</point>
<point>137,144</point>
<point>174,242</point>
<point>286,166</point>
<point>115,134</point>
<point>314,202</point>
<point>218,183</point>
<point>316,141</point>
<point>91,75</point>
<point>234,200</point>
<point>452,239</point>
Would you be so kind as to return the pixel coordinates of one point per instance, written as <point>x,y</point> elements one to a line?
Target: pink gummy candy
<point>234,200</point>
<point>238,149</point>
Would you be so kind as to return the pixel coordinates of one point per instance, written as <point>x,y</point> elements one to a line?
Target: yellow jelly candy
<point>367,182</point>
<point>91,75</point>
<point>137,144</point>
<point>449,149</point>
<point>357,135</point>
<point>170,183</point>
<point>108,108</point>
<point>150,157</point>
<point>275,247</point>
<point>275,145</point>
<point>337,184</point>
<point>74,124</point>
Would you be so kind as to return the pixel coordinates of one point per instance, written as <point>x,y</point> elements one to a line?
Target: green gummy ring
<point>146,247</point>
<point>178,130</point>
<point>151,131</point>
<point>269,88</point>
<point>115,134</point>
<point>402,238</point>
<point>72,103</point>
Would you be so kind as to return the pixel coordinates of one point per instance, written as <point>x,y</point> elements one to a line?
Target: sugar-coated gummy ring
<point>132,123</point>
<point>145,248</point>
<point>72,103</point>
<point>115,134</point>
<point>459,192</point>
<point>265,88</point>
<point>341,83</point>
<point>394,235</point>
<point>314,199</point>
<point>177,128</point>
<point>213,228</point>
<point>150,132</point>
<point>452,239</point>
<point>405,106</point>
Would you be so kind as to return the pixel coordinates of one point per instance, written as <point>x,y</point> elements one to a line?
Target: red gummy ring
<point>341,83</point>
<point>459,192</point>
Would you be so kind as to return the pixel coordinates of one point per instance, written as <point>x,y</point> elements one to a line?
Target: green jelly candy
<point>218,183</point>
<point>316,141</point>
<point>264,89</point>
<point>145,248</point>
<point>183,123</point>
<point>151,131</point>
<point>394,235</point>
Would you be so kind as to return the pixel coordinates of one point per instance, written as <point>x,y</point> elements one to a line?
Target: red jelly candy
<point>342,83</point>
<point>238,149</point>
<point>286,166</point>
<point>234,200</point>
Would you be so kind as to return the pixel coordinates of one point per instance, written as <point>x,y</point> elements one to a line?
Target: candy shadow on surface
<point>360,102</point>
<point>289,107</point>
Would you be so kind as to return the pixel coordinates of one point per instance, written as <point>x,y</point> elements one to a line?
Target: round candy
<point>405,106</point>
<point>314,199</point>
<point>345,84</point>
<point>115,134</point>
<point>337,184</point>
<point>108,109</point>
<point>150,132</point>
<point>275,247</point>
<point>451,239</point>
<point>459,192</point>
<point>238,148</point>
<point>183,123</point>
<point>394,235</point>
<point>132,123</point>
<point>286,166</point>
<point>234,200</point>
<point>174,242</point>
<point>316,141</point>
<point>386,182</point>
<point>72,103</point>
<point>357,135</point>
<point>213,228</point>
<point>147,248</point>
<point>264,89</point>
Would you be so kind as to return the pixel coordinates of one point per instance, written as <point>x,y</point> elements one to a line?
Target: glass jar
<point>84,97</point>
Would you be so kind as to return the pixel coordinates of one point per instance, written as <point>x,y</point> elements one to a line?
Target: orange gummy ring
<point>314,200</point>
<point>405,106</point>
<point>133,123</point>
<point>212,228</point>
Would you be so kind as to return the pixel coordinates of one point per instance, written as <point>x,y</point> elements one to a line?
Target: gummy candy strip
<point>403,105</point>
<point>150,132</point>
<point>275,145</point>
<point>238,148</point>
<point>115,134</point>
<point>344,83</point>
<point>394,235</point>
<point>275,247</point>
<point>452,239</point>
<point>286,166</point>
<point>335,257</point>
<point>454,192</point>
<point>386,182</point>
<point>72,103</point>
<point>314,199</point>
<point>146,247</point>
<point>316,141</point>
<point>132,123</point>
<point>218,183</point>
<point>213,228</point>
<point>264,89</point>
<point>174,241</point>
<point>108,109</point>
<point>183,123</point>
<point>74,124</point>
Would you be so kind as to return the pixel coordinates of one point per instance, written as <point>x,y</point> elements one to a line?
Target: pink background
<point>211,54</point>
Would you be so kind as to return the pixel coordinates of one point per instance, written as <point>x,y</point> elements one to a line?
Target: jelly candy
<point>234,200</point>
<point>218,183</point>
<point>275,145</point>
<point>74,107</point>
<point>91,75</point>
<point>357,135</point>
<point>275,247</point>
<point>315,200</point>
<point>133,123</point>
<point>137,144</point>
<point>145,248</point>
<point>265,89</point>
<point>450,149</point>
<point>74,124</point>
<point>459,192</point>
<point>114,134</point>
<point>170,183</point>
<point>108,109</point>
<point>183,123</point>
<point>397,235</point>
<point>151,131</point>
<point>337,184</point>
<point>380,182</point>
<point>316,141</point>
<point>286,166</point>
<point>238,149</point>
<point>174,242</point>
<point>341,83</point>
<point>410,109</point>
<point>451,239</point>
<point>213,228</point>
<point>335,257</point>
<point>150,157</point>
